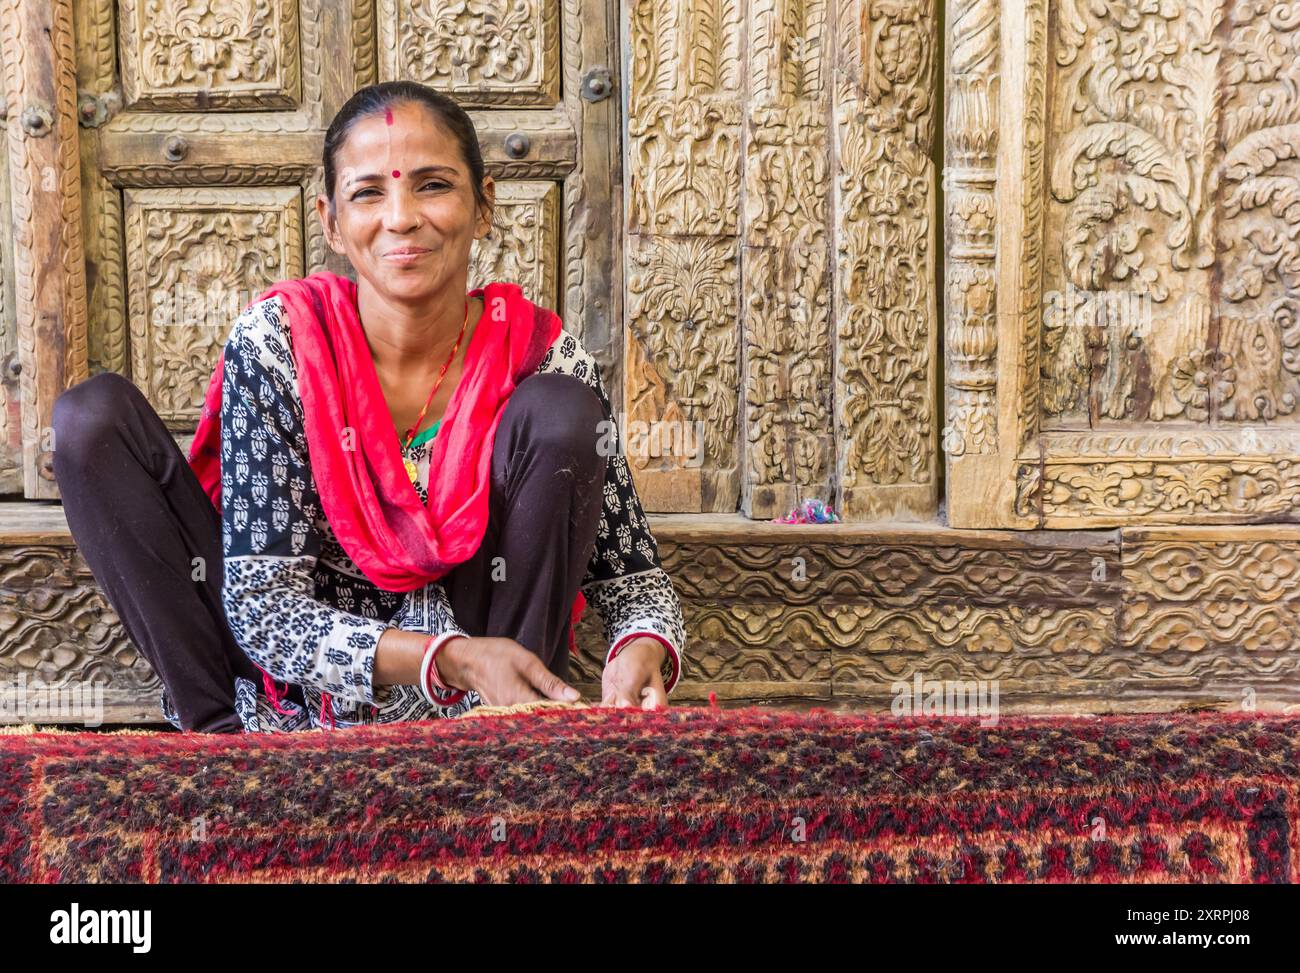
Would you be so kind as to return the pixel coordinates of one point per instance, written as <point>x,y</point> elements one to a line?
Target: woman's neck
<point>410,338</point>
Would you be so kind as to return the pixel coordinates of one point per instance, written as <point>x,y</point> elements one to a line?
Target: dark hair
<point>376,98</point>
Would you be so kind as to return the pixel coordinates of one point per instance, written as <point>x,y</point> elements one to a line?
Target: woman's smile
<point>405,256</point>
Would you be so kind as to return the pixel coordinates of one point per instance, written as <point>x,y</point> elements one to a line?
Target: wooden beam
<point>36,45</point>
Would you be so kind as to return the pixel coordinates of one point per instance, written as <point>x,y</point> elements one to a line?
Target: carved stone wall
<point>1144,365</point>
<point>780,299</point>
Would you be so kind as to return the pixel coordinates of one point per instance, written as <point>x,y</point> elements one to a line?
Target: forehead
<point>409,128</point>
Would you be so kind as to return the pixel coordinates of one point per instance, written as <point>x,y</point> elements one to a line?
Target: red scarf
<point>399,543</point>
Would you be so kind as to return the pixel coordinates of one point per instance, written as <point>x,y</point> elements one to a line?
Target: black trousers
<point>141,521</point>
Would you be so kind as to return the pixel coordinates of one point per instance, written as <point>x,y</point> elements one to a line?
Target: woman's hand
<point>633,679</point>
<point>501,671</point>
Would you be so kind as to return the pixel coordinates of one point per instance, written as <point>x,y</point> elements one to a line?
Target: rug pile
<point>683,795</point>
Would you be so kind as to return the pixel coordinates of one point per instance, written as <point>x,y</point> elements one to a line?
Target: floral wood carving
<point>682,374</point>
<point>786,306</point>
<point>195,258</point>
<point>482,52</point>
<point>198,54</point>
<point>523,245</point>
<point>970,176</point>
<point>1174,178</point>
<point>885,316</point>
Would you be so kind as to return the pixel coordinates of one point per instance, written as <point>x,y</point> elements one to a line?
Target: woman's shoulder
<point>262,320</point>
<point>568,356</point>
<point>260,336</point>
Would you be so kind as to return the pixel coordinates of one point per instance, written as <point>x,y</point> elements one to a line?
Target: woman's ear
<point>484,226</point>
<point>329,224</point>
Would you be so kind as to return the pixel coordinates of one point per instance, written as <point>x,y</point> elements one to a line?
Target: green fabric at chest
<point>428,434</point>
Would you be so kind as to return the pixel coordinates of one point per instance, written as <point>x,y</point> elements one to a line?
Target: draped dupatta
<point>398,542</point>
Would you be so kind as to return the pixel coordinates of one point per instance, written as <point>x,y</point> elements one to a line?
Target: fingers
<point>627,690</point>
<point>615,694</point>
<point>548,683</point>
<point>653,696</point>
<point>632,679</point>
<point>620,694</point>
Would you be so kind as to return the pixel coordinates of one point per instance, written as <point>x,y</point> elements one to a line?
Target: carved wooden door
<point>199,126</point>
<point>1123,333</point>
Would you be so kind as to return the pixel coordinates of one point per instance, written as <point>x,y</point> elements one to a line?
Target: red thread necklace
<point>411,470</point>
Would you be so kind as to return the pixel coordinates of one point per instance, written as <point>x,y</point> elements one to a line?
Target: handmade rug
<point>683,795</point>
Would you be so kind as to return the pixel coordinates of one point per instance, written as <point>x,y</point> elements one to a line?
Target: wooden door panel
<point>49,273</point>
<point>202,125</point>
<point>528,253</point>
<point>199,55</point>
<point>1133,355</point>
<point>11,433</point>
<point>484,53</point>
<point>248,148</point>
<point>195,258</point>
<point>538,77</point>
<point>779,229</point>
<point>147,137</point>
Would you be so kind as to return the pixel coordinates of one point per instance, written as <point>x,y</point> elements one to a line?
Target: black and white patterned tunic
<point>302,610</point>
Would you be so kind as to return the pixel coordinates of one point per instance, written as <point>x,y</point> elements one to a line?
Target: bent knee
<point>568,411</point>
<point>559,397</point>
<point>89,412</point>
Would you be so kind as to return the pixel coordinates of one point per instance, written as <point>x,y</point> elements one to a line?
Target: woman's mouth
<point>406,255</point>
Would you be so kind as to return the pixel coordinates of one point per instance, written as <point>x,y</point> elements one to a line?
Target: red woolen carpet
<point>687,795</point>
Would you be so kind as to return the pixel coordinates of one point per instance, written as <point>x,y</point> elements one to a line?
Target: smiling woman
<point>412,488</point>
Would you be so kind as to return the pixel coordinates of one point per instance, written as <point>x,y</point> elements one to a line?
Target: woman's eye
<point>361,192</point>
<point>434,185</point>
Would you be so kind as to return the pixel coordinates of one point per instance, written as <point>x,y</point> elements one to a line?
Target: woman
<point>417,487</point>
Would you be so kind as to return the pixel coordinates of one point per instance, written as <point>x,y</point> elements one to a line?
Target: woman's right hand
<point>501,671</point>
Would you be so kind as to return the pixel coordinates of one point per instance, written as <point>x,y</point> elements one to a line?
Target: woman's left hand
<point>633,679</point>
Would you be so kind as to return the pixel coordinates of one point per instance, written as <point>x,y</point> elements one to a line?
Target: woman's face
<point>404,208</point>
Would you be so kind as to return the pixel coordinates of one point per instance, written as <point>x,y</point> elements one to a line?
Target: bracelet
<point>437,692</point>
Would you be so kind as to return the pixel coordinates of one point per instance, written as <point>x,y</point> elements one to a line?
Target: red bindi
<point>388,115</point>
<point>397,174</point>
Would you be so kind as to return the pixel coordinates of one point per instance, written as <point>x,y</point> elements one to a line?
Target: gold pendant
<point>412,470</point>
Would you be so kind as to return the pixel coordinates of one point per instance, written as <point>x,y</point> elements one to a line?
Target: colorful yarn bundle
<point>811,511</point>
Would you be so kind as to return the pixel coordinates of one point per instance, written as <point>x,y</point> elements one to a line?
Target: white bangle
<point>427,660</point>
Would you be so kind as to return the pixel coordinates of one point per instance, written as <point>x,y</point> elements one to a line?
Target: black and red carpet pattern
<point>684,795</point>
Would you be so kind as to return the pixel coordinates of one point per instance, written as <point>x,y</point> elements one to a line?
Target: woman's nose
<point>402,214</point>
